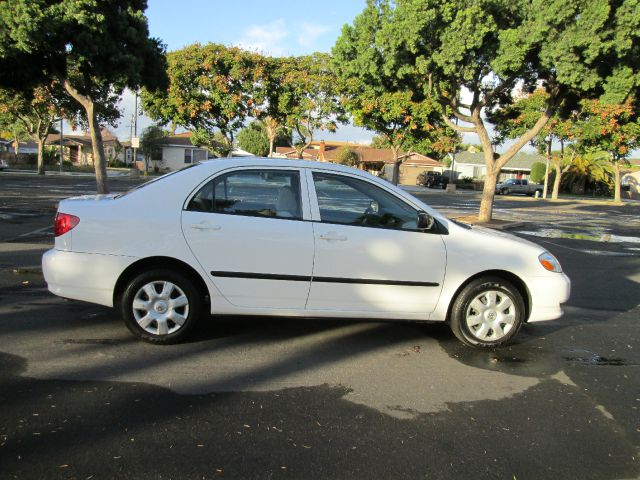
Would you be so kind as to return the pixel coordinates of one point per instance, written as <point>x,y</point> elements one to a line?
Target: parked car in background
<point>432,180</point>
<point>258,236</point>
<point>3,165</point>
<point>516,185</point>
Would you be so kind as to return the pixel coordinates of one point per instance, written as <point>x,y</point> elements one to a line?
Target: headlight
<point>549,262</point>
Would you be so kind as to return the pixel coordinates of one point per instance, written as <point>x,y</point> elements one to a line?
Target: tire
<point>506,191</point>
<point>169,306</point>
<point>444,186</point>
<point>478,323</point>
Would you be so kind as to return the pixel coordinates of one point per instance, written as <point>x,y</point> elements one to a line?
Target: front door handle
<point>206,226</point>
<point>333,237</point>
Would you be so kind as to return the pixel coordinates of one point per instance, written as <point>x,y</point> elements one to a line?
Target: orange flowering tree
<point>34,113</point>
<point>612,128</point>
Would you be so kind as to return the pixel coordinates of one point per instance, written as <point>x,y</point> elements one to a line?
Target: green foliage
<point>538,169</point>
<point>217,143</point>
<point>440,48</point>
<point>254,139</point>
<point>150,143</point>
<point>372,92</point>
<point>309,98</point>
<point>93,49</point>
<point>348,156</point>
<point>211,88</point>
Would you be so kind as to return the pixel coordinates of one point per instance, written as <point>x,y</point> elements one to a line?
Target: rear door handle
<point>206,226</point>
<point>333,237</point>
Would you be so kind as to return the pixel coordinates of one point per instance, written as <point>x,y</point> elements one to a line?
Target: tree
<point>309,98</point>
<point>470,56</point>
<point>348,156</point>
<point>613,128</point>
<point>538,171</point>
<point>254,139</point>
<point>33,114</point>
<point>210,90</point>
<point>514,120</point>
<point>585,168</point>
<point>151,141</point>
<point>93,49</point>
<point>371,91</point>
<point>215,142</point>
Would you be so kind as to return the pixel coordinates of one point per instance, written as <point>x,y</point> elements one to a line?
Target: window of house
<point>259,193</point>
<point>188,155</point>
<point>156,155</point>
<point>351,201</point>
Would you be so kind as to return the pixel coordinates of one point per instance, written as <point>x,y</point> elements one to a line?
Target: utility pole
<point>61,150</point>
<point>135,131</point>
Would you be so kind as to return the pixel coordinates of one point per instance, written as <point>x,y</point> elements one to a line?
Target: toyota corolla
<point>291,238</point>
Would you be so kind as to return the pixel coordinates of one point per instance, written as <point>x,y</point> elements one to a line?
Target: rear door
<point>247,229</point>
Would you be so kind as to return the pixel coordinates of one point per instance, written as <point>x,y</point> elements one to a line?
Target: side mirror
<point>425,221</point>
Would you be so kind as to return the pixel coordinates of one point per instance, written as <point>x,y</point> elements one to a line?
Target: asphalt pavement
<point>302,398</point>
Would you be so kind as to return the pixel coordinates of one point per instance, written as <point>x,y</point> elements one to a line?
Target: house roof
<point>108,138</point>
<point>522,160</point>
<point>365,154</point>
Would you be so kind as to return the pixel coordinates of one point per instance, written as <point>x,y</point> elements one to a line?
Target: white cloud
<point>310,33</point>
<point>266,38</point>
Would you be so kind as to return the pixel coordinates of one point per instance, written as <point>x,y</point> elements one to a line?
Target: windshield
<point>142,185</point>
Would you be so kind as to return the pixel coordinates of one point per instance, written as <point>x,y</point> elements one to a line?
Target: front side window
<point>349,201</point>
<point>259,193</point>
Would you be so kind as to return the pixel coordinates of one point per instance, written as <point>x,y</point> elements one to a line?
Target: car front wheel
<point>487,313</point>
<point>161,306</point>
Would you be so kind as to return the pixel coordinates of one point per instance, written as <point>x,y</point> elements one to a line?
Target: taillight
<point>64,222</point>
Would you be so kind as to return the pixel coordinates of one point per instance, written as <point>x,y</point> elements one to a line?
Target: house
<point>631,179</point>
<point>472,165</point>
<point>173,153</point>
<point>78,149</point>
<point>373,160</point>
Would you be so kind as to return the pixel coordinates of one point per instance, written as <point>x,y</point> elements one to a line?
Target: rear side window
<point>259,193</point>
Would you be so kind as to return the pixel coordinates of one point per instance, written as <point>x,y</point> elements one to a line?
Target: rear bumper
<point>547,295</point>
<point>83,276</point>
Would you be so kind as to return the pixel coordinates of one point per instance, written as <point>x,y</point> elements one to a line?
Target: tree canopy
<point>93,49</point>
<point>374,95</point>
<point>470,56</point>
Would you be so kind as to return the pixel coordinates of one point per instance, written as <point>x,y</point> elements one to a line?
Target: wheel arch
<point>150,263</point>
<point>512,278</point>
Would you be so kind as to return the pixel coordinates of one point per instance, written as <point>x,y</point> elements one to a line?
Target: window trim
<point>304,199</point>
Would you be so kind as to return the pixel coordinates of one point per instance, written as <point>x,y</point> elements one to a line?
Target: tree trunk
<point>395,177</point>
<point>488,193</point>
<point>99,160</point>
<point>546,170</point>
<point>40,156</point>
<point>271,127</point>
<point>556,183</point>
<point>272,141</point>
<point>616,176</point>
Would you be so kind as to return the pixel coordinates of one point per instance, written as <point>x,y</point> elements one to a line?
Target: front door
<point>247,230</point>
<point>370,255</point>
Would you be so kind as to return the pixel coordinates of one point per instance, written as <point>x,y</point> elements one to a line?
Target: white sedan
<point>260,236</point>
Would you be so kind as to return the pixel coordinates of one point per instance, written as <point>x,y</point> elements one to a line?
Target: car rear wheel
<point>161,306</point>
<point>487,313</point>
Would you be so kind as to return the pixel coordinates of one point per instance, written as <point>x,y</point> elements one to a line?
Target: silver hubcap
<point>160,308</point>
<point>490,315</point>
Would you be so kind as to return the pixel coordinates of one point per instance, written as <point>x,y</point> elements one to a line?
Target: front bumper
<point>547,295</point>
<point>83,276</point>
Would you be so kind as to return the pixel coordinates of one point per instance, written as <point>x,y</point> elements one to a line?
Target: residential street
<point>301,398</point>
